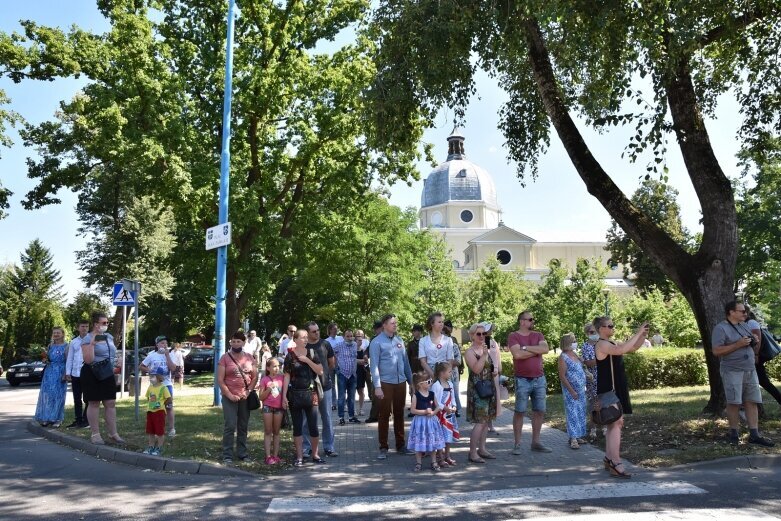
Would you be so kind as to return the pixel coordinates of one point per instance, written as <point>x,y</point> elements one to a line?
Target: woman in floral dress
<point>50,410</point>
<point>573,388</point>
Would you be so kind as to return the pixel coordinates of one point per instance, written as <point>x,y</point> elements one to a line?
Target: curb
<point>749,461</point>
<point>136,459</point>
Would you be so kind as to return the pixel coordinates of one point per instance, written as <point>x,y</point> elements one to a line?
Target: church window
<point>436,219</point>
<point>455,264</point>
<point>467,216</point>
<point>504,257</point>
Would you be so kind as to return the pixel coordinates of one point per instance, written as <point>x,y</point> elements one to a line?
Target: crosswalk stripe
<point>514,496</point>
<point>695,514</point>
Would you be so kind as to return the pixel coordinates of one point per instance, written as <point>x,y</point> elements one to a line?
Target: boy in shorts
<point>158,401</point>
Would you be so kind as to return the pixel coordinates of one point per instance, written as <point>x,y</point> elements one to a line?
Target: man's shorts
<point>534,388</point>
<point>741,386</point>
<point>155,422</point>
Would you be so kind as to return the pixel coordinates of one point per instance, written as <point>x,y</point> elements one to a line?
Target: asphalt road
<point>41,480</point>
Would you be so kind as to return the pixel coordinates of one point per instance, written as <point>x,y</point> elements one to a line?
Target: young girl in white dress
<point>443,393</point>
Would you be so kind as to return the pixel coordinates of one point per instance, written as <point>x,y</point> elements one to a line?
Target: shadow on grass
<point>668,427</point>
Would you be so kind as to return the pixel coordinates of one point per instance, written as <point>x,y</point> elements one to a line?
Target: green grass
<point>199,432</point>
<point>668,427</point>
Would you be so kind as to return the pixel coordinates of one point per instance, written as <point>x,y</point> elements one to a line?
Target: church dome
<point>458,179</point>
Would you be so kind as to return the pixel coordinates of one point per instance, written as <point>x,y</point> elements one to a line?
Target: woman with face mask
<point>97,347</point>
<point>589,357</point>
<point>237,374</point>
<point>573,388</point>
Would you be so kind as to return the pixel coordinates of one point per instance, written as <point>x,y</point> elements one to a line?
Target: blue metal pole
<point>222,251</point>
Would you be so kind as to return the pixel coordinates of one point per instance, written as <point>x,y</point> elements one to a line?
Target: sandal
<point>435,467</point>
<point>486,455</point>
<point>573,443</point>
<point>451,462</point>
<point>418,467</point>
<point>606,461</point>
<point>615,473</point>
<point>97,440</point>
<point>476,460</point>
<point>117,439</point>
<point>319,461</point>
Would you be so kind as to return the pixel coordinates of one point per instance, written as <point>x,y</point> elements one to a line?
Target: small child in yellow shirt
<point>158,400</point>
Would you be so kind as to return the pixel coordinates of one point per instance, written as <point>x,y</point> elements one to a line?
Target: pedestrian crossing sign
<point>123,297</point>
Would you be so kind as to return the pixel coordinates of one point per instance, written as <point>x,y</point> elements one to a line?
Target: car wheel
<point>14,382</point>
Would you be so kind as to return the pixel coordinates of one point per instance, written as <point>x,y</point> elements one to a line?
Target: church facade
<point>459,201</point>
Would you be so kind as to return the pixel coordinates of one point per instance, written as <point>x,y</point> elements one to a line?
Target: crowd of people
<point>311,377</point>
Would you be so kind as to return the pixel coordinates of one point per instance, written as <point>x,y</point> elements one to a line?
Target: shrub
<point>645,369</point>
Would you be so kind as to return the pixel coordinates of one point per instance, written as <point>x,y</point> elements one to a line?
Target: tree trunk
<point>705,278</point>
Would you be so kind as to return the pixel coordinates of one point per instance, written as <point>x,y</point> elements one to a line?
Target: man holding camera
<point>737,348</point>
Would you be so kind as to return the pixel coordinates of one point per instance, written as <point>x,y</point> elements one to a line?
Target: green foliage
<point>494,295</point>
<point>81,308</point>
<point>658,202</point>
<point>31,296</point>
<point>7,117</point>
<point>645,369</point>
<point>672,318</point>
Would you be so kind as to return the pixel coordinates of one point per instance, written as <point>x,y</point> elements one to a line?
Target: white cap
<point>486,326</point>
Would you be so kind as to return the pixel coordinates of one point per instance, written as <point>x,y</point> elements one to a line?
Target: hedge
<point>645,369</point>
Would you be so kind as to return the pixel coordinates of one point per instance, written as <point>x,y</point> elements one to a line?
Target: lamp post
<point>222,251</point>
<point>134,287</point>
<point>606,292</point>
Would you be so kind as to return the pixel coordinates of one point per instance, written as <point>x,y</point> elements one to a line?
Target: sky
<point>555,207</point>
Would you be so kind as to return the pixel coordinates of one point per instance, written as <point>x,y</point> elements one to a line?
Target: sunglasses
<point>479,333</point>
<point>427,382</point>
<point>609,326</point>
<point>529,319</point>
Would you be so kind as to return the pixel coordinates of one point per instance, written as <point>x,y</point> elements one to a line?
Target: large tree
<point>656,66</point>
<point>149,123</point>
<point>31,295</point>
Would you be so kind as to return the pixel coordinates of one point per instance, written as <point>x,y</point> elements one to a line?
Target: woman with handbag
<point>97,379</point>
<point>480,393</point>
<point>237,375</point>
<point>301,395</point>
<point>612,389</point>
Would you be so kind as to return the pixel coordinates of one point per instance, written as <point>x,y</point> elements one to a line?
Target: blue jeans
<point>346,385</point>
<point>327,436</point>
<point>534,388</point>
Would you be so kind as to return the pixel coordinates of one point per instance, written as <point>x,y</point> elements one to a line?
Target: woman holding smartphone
<point>96,347</point>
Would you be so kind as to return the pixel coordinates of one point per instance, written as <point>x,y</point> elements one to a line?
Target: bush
<point>645,369</point>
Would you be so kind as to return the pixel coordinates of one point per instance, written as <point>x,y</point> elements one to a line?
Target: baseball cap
<point>160,339</point>
<point>161,371</point>
<point>486,326</point>
<point>417,327</point>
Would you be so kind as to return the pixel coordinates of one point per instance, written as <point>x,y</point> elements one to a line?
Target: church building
<point>459,202</point>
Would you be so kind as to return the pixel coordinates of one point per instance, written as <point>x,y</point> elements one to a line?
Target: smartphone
<point>100,338</point>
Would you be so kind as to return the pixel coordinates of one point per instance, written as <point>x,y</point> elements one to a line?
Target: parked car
<point>25,372</point>
<point>199,359</point>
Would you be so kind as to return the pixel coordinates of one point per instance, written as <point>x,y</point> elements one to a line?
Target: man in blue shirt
<point>390,373</point>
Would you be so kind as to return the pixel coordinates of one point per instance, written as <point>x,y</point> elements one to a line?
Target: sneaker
<point>172,433</point>
<point>341,421</point>
<point>759,440</point>
<point>275,460</point>
<point>353,420</point>
<point>269,460</point>
<point>245,459</point>
<point>733,440</point>
<point>383,454</point>
<point>539,447</point>
<point>330,453</point>
<point>227,461</point>
<point>157,451</point>
<point>370,420</point>
<point>73,425</point>
<point>573,443</point>
<point>148,450</point>
<point>333,407</point>
<point>84,425</point>
<point>56,425</point>
<point>404,451</point>
<point>517,450</point>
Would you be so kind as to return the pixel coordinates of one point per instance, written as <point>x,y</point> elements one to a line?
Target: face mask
<point>102,329</point>
<point>237,349</point>
<point>161,349</point>
<point>593,338</point>
<point>574,345</point>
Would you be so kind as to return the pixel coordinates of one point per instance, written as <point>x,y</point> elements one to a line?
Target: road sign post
<point>134,288</point>
<point>123,297</point>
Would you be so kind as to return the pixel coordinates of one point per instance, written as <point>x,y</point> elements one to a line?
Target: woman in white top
<point>436,346</point>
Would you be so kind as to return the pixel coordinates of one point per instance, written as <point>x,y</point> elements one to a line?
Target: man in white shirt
<point>161,358</point>
<point>286,342</point>
<point>73,363</point>
<point>252,345</point>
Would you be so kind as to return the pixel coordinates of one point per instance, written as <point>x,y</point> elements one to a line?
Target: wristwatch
<point>523,347</point>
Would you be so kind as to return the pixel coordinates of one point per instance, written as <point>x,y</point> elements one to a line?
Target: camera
<point>752,342</point>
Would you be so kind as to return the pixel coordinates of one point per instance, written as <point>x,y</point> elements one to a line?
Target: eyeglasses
<point>479,333</point>
<point>740,311</point>
<point>609,326</point>
<point>529,319</point>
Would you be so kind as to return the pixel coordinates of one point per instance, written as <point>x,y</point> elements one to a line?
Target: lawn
<point>668,428</point>
<point>199,432</point>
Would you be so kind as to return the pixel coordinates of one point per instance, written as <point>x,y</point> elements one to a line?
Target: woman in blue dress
<point>50,410</point>
<point>573,388</point>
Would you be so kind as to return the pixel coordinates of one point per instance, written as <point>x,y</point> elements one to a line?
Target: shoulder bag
<point>309,397</point>
<point>769,348</point>
<point>253,401</point>
<point>103,369</point>
<point>613,411</point>
<point>484,388</point>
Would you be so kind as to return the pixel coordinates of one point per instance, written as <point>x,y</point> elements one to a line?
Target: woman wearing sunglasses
<point>480,402</point>
<point>610,369</point>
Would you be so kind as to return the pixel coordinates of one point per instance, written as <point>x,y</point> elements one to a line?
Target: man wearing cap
<point>162,359</point>
<point>412,349</point>
<point>252,345</point>
<point>527,347</point>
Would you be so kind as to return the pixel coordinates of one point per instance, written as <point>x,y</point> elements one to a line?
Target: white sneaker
<point>172,433</point>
